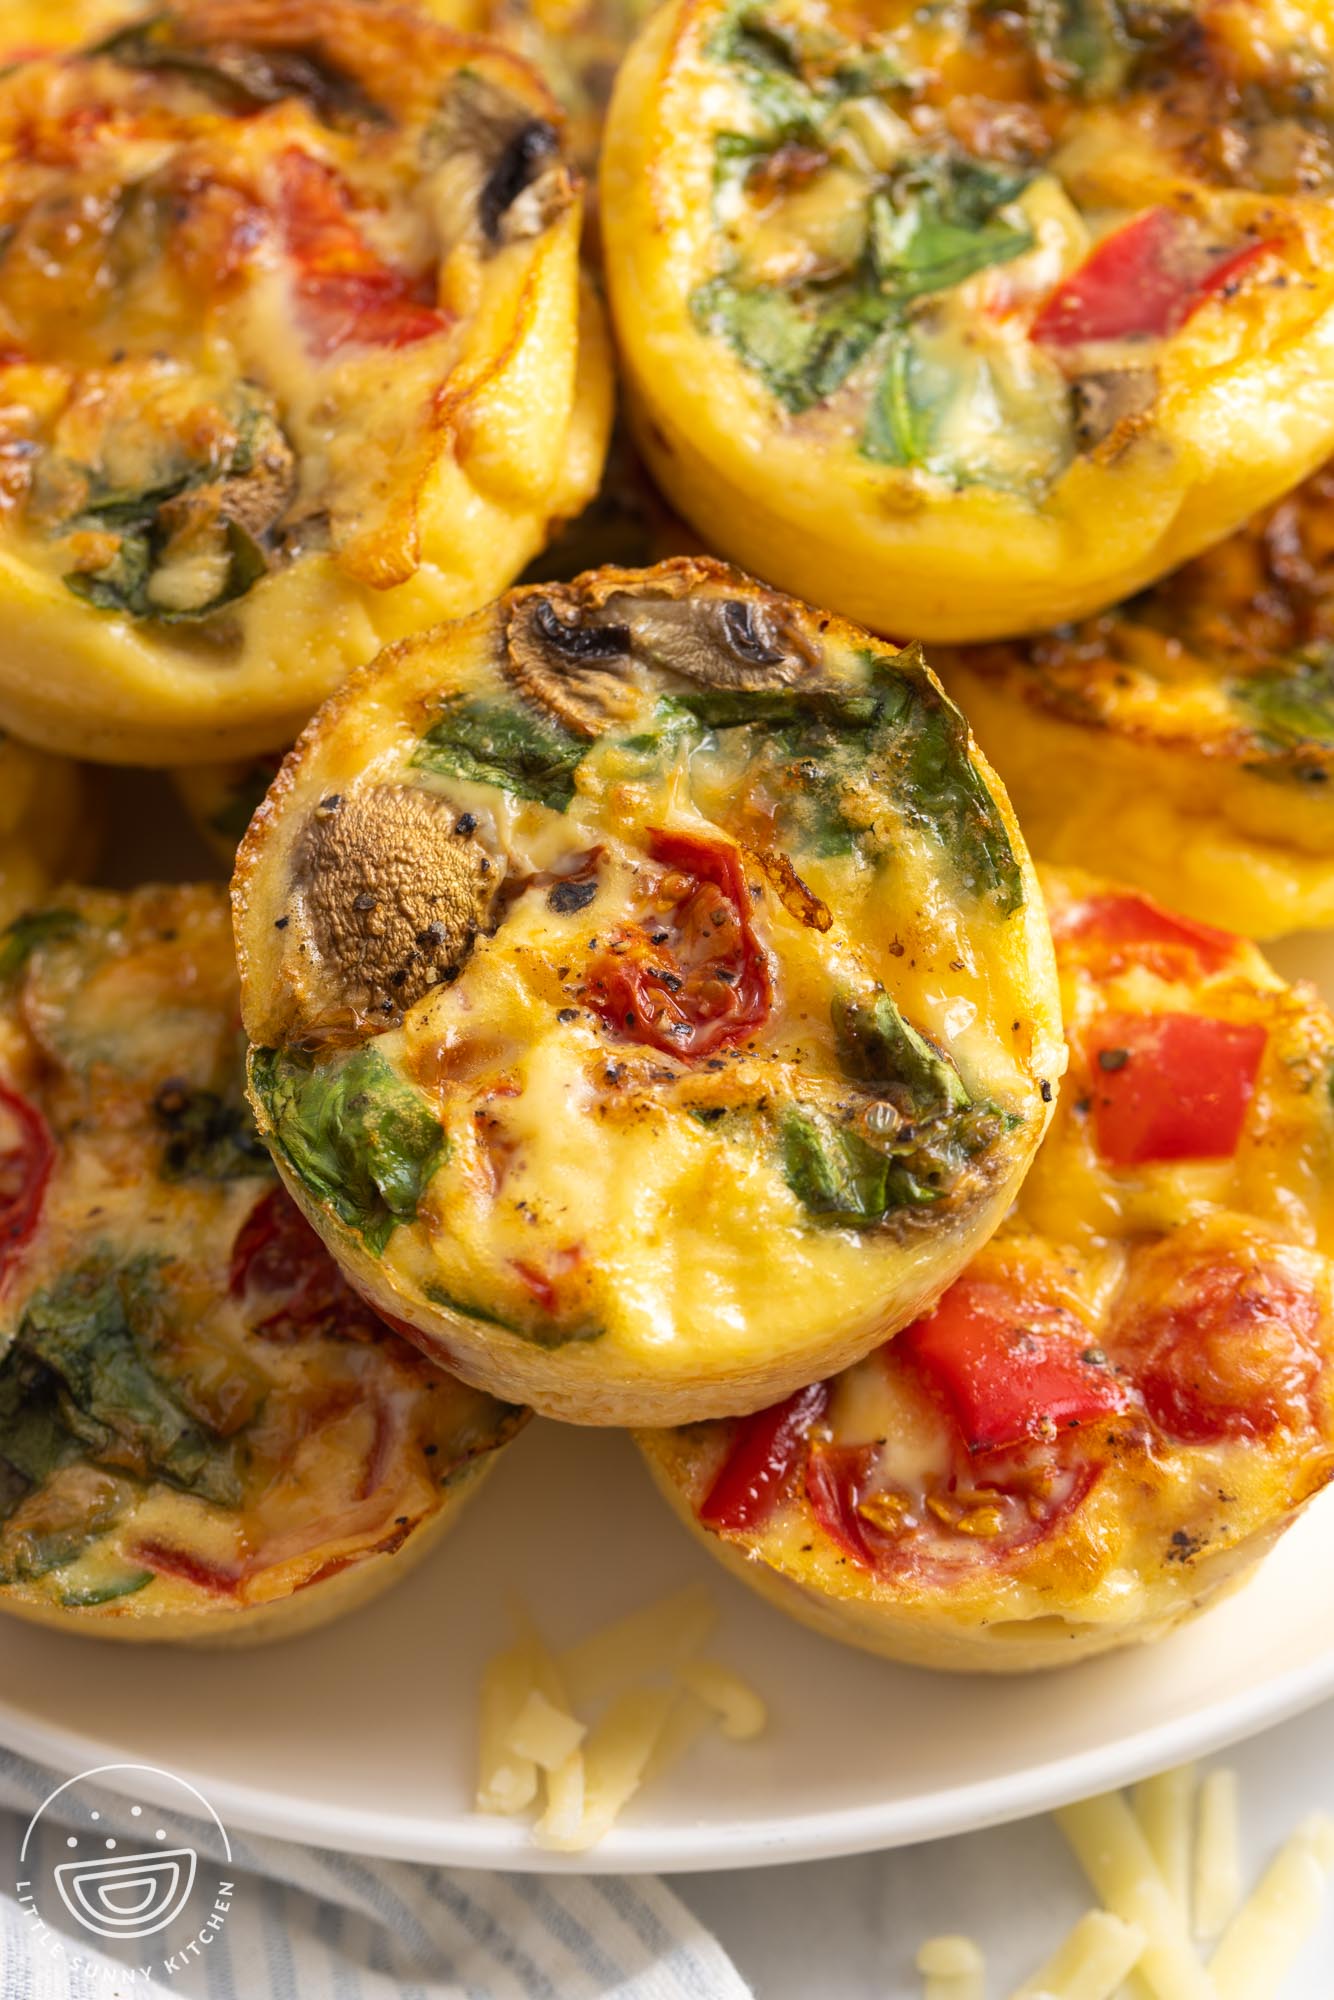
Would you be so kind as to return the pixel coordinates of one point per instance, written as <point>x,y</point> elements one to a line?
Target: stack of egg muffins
<point>641,1001</point>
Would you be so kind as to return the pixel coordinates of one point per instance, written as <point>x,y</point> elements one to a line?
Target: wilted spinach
<point>498,743</point>
<point>358,1138</point>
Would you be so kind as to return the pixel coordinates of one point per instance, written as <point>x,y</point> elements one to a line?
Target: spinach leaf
<point>728,708</point>
<point>83,1597</point>
<point>879,1047</point>
<point>501,744</point>
<point>839,1176</point>
<point>901,418</point>
<point>823,753</point>
<point>922,752</point>
<point>802,344</point>
<point>208,1137</point>
<point>1291,704</point>
<point>1087,38</point>
<point>936,224</point>
<point>122,584</point>
<point>76,1382</point>
<point>359,1139</point>
<point>20,939</point>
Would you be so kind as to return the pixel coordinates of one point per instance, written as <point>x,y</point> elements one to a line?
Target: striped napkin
<point>306,1924</point>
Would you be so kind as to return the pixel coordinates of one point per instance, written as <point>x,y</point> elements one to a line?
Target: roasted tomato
<point>293,358</point>
<point>1191,728</point>
<point>1129,1393</point>
<point>969,320</point>
<point>674,942</point>
<point>205,1433</point>
<point>48,826</point>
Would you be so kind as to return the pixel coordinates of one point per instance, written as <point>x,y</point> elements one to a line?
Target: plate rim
<point>479,1841</point>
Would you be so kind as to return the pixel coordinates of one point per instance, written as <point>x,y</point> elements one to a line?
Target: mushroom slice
<point>395,893</point>
<point>574,649</point>
<point>499,168</point>
<point>576,668</point>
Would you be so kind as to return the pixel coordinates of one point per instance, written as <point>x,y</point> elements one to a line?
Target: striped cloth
<point>306,1924</point>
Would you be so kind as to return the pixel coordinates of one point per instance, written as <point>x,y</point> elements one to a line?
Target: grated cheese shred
<point>541,1749</point>
<point>952,1968</point>
<point>1218,1885</point>
<point>1091,1964</point>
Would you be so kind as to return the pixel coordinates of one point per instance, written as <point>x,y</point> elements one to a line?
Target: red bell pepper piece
<point>1009,1368</point>
<point>764,1455</point>
<point>1143,281</point>
<point>1171,1086</point>
<point>1120,930</point>
<point>25,1169</point>
<point>345,290</point>
<point>695,977</point>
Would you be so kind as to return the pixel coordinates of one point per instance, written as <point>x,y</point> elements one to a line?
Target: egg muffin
<point>47,823</point>
<point>1189,731</point>
<point>648,991</point>
<point>968,320</point>
<point>1128,1395</point>
<point>294,357</point>
<point>205,1434</point>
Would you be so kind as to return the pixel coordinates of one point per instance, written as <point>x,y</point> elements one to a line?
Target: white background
<point>848,1930</point>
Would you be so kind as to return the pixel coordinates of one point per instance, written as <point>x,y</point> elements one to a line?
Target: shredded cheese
<point>1218,1889</point>
<point>1163,1807</point>
<point>548,1735</point>
<point>1090,1964</point>
<point>537,1750</point>
<point>1261,1944</point>
<point>741,1711</point>
<point>952,1968</point>
<point>1143,1863</point>
<point>1115,1856</point>
<point>506,1780</point>
<point>652,1641</point>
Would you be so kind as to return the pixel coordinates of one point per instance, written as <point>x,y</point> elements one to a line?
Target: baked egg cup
<point>205,1434</point>
<point>1129,1394</point>
<point>1190,731</point>
<point>968,321</point>
<point>48,823</point>
<point>650,999</point>
<point>314,367</point>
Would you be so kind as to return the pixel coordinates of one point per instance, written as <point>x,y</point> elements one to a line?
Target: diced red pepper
<point>25,1168</point>
<point>765,1453</point>
<point>218,1579</point>
<point>1170,1086</point>
<point>836,1481</point>
<point>693,976</point>
<point>1233,1352</point>
<point>346,292</point>
<point>543,1282</point>
<point>1143,281</point>
<point>1008,1368</point>
<point>1127,929</point>
<point>291,1286</point>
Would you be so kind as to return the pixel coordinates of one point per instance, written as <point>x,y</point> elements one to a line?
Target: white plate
<point>361,1737</point>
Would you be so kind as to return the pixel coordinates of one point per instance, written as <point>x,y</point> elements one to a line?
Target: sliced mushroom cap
<point>575,649</point>
<point>499,169</point>
<point>395,894</point>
